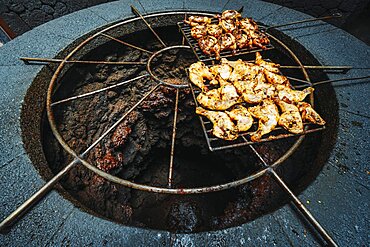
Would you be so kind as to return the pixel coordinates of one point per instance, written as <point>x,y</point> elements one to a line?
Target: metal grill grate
<point>278,133</point>
<point>193,43</point>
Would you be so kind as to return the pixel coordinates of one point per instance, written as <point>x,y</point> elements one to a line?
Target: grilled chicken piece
<point>244,41</point>
<point>223,69</point>
<point>245,71</point>
<point>219,99</point>
<point>197,72</point>
<point>263,89</point>
<point>198,20</point>
<point>198,31</point>
<point>290,119</point>
<point>309,114</point>
<point>245,89</point>
<point>227,42</point>
<point>228,25</point>
<point>287,94</point>
<point>230,14</point>
<point>214,30</point>
<point>223,127</point>
<point>268,115</point>
<point>241,115</point>
<point>272,67</point>
<point>209,45</point>
<point>247,24</point>
<point>275,78</point>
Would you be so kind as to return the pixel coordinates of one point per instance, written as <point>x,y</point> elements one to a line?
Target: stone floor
<point>23,15</point>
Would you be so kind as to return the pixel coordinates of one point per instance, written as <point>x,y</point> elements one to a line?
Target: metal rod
<point>183,36</point>
<point>335,15</point>
<point>125,43</point>
<point>54,60</point>
<point>335,80</point>
<point>170,173</point>
<point>300,206</point>
<point>316,67</point>
<point>22,209</point>
<point>97,91</point>
<point>135,11</point>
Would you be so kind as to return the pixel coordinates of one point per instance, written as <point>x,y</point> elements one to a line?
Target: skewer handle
<point>335,15</point>
<point>27,205</point>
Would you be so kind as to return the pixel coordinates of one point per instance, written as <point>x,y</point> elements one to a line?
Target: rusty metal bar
<point>135,11</point>
<point>126,44</point>
<point>335,80</point>
<point>24,207</point>
<point>300,206</point>
<point>98,91</point>
<point>335,15</point>
<point>323,67</point>
<point>170,173</point>
<point>27,60</point>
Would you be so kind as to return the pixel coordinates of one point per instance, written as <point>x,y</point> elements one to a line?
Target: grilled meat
<point>224,70</point>
<point>309,114</point>
<point>198,31</point>
<point>290,119</point>
<point>241,115</point>
<point>272,67</point>
<point>231,32</point>
<point>268,115</point>
<point>230,14</point>
<point>214,30</point>
<point>238,82</point>
<point>198,20</point>
<point>197,72</point>
<point>227,42</point>
<point>223,127</point>
<point>209,45</point>
<point>219,99</point>
<point>290,95</point>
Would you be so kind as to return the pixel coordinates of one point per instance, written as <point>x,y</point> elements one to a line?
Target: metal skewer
<point>170,173</point>
<point>135,11</point>
<point>335,15</point>
<point>27,60</point>
<point>125,43</point>
<point>300,206</point>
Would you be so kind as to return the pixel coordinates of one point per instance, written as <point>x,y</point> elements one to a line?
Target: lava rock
<point>16,7</point>
<point>49,2</point>
<point>47,9</point>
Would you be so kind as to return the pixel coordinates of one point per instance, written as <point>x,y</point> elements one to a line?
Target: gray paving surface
<point>56,222</point>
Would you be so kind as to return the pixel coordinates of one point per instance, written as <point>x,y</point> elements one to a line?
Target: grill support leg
<point>300,206</point>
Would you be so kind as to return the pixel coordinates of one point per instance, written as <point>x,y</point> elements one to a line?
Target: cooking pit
<point>139,148</point>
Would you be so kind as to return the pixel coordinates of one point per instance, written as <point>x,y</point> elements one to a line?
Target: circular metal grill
<point>80,158</point>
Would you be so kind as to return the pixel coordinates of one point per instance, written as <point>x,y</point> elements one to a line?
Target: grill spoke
<point>170,173</point>
<point>300,206</point>
<point>98,91</point>
<point>125,43</point>
<point>135,11</point>
<point>27,60</point>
